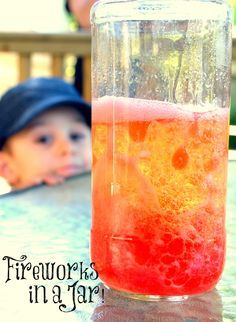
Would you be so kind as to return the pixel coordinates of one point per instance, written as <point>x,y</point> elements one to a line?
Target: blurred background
<point>40,38</point>
<point>37,17</point>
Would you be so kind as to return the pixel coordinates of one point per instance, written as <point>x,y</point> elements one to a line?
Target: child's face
<point>56,145</point>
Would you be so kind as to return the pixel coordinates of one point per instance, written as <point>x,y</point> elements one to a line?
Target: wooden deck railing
<point>57,45</point>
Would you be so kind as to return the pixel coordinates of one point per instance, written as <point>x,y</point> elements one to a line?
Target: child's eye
<point>76,136</point>
<point>44,139</point>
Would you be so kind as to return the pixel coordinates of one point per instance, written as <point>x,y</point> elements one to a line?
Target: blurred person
<point>80,11</point>
<point>44,133</point>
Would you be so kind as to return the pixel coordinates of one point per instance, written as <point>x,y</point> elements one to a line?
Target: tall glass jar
<point>161,95</point>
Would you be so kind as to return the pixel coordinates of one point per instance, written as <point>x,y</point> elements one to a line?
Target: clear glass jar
<point>161,94</point>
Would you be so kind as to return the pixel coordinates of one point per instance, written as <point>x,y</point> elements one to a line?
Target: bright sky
<point>34,15</point>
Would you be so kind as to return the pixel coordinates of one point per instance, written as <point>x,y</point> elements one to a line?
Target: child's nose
<point>66,147</point>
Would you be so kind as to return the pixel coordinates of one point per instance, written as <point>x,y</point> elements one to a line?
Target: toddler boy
<point>44,133</point>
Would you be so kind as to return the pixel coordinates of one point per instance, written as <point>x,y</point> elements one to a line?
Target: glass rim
<point>119,10</point>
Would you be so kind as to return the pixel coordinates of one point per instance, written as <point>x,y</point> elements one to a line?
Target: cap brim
<point>46,104</point>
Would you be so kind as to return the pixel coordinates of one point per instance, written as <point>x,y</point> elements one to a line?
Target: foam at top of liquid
<point>120,109</point>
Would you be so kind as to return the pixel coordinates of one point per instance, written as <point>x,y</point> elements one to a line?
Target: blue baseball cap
<point>22,103</point>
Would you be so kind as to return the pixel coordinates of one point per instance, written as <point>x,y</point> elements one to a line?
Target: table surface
<point>52,224</point>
